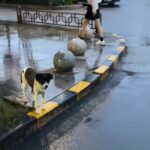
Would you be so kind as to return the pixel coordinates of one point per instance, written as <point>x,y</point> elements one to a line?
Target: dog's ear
<point>50,76</point>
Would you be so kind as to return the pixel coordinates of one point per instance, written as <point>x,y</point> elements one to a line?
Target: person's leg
<point>100,32</point>
<point>81,33</point>
<point>85,23</point>
<point>99,27</point>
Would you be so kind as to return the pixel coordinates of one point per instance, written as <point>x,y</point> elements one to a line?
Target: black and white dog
<point>38,83</point>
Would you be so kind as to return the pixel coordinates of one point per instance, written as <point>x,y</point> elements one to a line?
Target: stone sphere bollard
<point>77,46</point>
<point>64,61</point>
<point>85,33</point>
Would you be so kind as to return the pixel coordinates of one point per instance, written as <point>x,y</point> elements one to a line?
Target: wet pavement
<point>116,116</point>
<point>35,46</point>
<point>27,45</point>
<point>120,118</point>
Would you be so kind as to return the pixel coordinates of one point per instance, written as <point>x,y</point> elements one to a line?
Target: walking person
<point>93,13</point>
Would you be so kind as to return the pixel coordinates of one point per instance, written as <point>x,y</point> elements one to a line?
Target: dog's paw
<point>25,102</point>
<point>43,107</point>
<point>38,111</point>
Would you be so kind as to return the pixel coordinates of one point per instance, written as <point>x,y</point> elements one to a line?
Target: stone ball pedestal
<point>77,46</point>
<point>85,33</point>
<point>64,61</point>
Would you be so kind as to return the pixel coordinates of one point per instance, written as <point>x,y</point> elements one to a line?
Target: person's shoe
<point>99,42</point>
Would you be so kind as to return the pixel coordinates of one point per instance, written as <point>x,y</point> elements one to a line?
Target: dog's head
<point>44,79</point>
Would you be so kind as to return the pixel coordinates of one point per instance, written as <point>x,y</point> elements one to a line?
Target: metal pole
<point>19,14</point>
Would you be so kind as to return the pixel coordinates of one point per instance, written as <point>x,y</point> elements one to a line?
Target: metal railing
<point>51,17</point>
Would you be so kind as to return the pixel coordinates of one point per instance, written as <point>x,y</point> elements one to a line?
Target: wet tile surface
<point>28,45</point>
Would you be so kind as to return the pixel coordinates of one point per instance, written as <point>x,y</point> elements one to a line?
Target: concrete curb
<point>67,99</point>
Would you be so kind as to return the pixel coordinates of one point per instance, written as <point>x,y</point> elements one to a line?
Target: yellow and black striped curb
<point>68,98</point>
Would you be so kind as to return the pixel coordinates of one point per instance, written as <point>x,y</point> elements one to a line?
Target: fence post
<point>19,14</point>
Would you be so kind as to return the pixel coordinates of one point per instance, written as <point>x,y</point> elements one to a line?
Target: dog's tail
<point>22,76</point>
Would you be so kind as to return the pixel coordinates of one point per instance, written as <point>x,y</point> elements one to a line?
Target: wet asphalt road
<point>117,115</point>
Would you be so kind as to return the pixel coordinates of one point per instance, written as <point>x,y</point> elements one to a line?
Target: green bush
<point>63,2</point>
<point>68,1</point>
<point>11,115</point>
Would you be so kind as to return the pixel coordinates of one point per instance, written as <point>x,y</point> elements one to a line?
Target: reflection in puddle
<point>24,45</point>
<point>35,46</point>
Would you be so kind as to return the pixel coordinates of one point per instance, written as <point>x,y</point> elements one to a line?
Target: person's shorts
<point>89,13</point>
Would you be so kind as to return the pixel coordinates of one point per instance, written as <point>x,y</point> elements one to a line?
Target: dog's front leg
<point>43,101</point>
<point>35,96</point>
<point>24,88</point>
